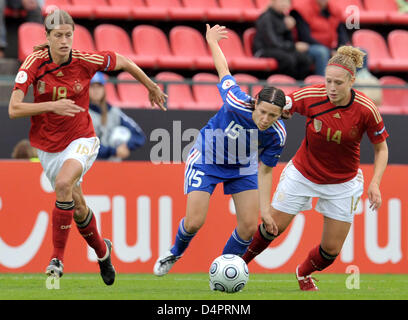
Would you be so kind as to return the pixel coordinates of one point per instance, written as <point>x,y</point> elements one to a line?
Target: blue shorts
<point>202,177</point>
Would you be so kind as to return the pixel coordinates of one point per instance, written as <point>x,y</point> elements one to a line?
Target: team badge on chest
<point>317,124</point>
<point>77,87</point>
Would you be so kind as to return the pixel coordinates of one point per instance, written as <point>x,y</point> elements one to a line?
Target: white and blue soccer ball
<point>228,273</point>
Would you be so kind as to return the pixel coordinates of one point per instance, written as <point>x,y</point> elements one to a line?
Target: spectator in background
<point>365,78</point>
<point>274,39</point>
<point>118,133</point>
<point>319,24</point>
<point>24,150</point>
<point>402,6</point>
<point>31,7</point>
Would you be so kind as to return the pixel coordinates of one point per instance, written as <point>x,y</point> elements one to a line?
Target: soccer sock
<point>61,225</point>
<point>89,231</point>
<point>317,260</point>
<point>236,245</point>
<point>183,239</point>
<point>260,242</point>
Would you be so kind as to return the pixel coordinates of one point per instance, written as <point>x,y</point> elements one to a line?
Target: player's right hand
<point>269,223</point>
<point>66,107</point>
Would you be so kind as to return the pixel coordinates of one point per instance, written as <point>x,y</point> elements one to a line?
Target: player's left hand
<point>374,196</point>
<point>157,97</point>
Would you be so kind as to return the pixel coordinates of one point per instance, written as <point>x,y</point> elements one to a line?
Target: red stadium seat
<point>30,34</point>
<point>389,9</point>
<point>176,11</point>
<point>248,10</point>
<point>247,40</point>
<point>179,95</point>
<point>394,101</point>
<point>111,36</point>
<point>111,94</point>
<point>132,95</point>
<point>83,39</point>
<point>76,11</point>
<point>207,96</point>
<point>398,44</point>
<point>279,80</point>
<point>212,10</point>
<point>237,60</point>
<point>140,11</point>
<point>247,78</point>
<point>262,4</point>
<point>189,42</point>
<point>379,58</point>
<point>150,41</point>
<point>365,16</point>
<point>314,79</point>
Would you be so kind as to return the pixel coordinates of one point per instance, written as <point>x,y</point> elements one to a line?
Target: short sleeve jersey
<point>330,151</point>
<point>231,140</point>
<point>51,132</point>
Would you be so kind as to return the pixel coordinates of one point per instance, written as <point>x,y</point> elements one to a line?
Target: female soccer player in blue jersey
<point>227,151</point>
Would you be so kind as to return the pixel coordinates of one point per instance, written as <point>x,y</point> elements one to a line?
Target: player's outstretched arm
<point>265,188</point>
<point>18,108</point>
<point>156,96</point>
<point>213,35</point>
<point>380,163</point>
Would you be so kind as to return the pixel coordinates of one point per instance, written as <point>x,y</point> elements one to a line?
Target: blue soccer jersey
<point>230,146</point>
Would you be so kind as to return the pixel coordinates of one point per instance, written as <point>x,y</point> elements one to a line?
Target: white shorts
<point>85,150</point>
<point>337,201</point>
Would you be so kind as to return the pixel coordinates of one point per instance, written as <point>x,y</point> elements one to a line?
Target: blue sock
<point>235,245</point>
<point>183,239</point>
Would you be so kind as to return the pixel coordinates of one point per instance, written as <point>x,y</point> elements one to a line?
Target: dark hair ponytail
<point>272,95</point>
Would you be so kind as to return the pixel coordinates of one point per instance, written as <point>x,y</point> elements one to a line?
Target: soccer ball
<point>228,273</point>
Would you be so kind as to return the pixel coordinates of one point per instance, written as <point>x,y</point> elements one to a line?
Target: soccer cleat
<point>107,270</point>
<point>306,283</point>
<point>164,263</point>
<point>55,269</point>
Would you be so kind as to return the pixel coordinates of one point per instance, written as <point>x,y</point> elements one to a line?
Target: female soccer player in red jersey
<point>326,165</point>
<point>62,130</point>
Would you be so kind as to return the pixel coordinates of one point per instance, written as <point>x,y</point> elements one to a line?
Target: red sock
<point>258,244</point>
<point>61,225</point>
<point>89,232</point>
<point>317,260</point>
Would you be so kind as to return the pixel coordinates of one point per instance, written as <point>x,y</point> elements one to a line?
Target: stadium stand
<point>194,48</point>
<point>244,80</point>
<point>394,101</point>
<point>30,34</point>
<point>132,95</point>
<point>159,49</point>
<point>280,80</point>
<point>314,79</point>
<point>206,95</point>
<point>180,95</point>
<point>155,34</point>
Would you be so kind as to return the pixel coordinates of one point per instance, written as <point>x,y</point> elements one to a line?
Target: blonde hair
<point>53,20</point>
<point>348,57</point>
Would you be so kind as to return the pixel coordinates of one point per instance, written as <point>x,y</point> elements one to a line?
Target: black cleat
<point>55,269</point>
<point>107,269</point>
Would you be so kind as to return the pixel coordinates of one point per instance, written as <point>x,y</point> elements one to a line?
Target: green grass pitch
<point>195,287</point>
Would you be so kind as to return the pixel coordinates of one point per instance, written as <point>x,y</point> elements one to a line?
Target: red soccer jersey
<point>51,132</point>
<point>330,151</point>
